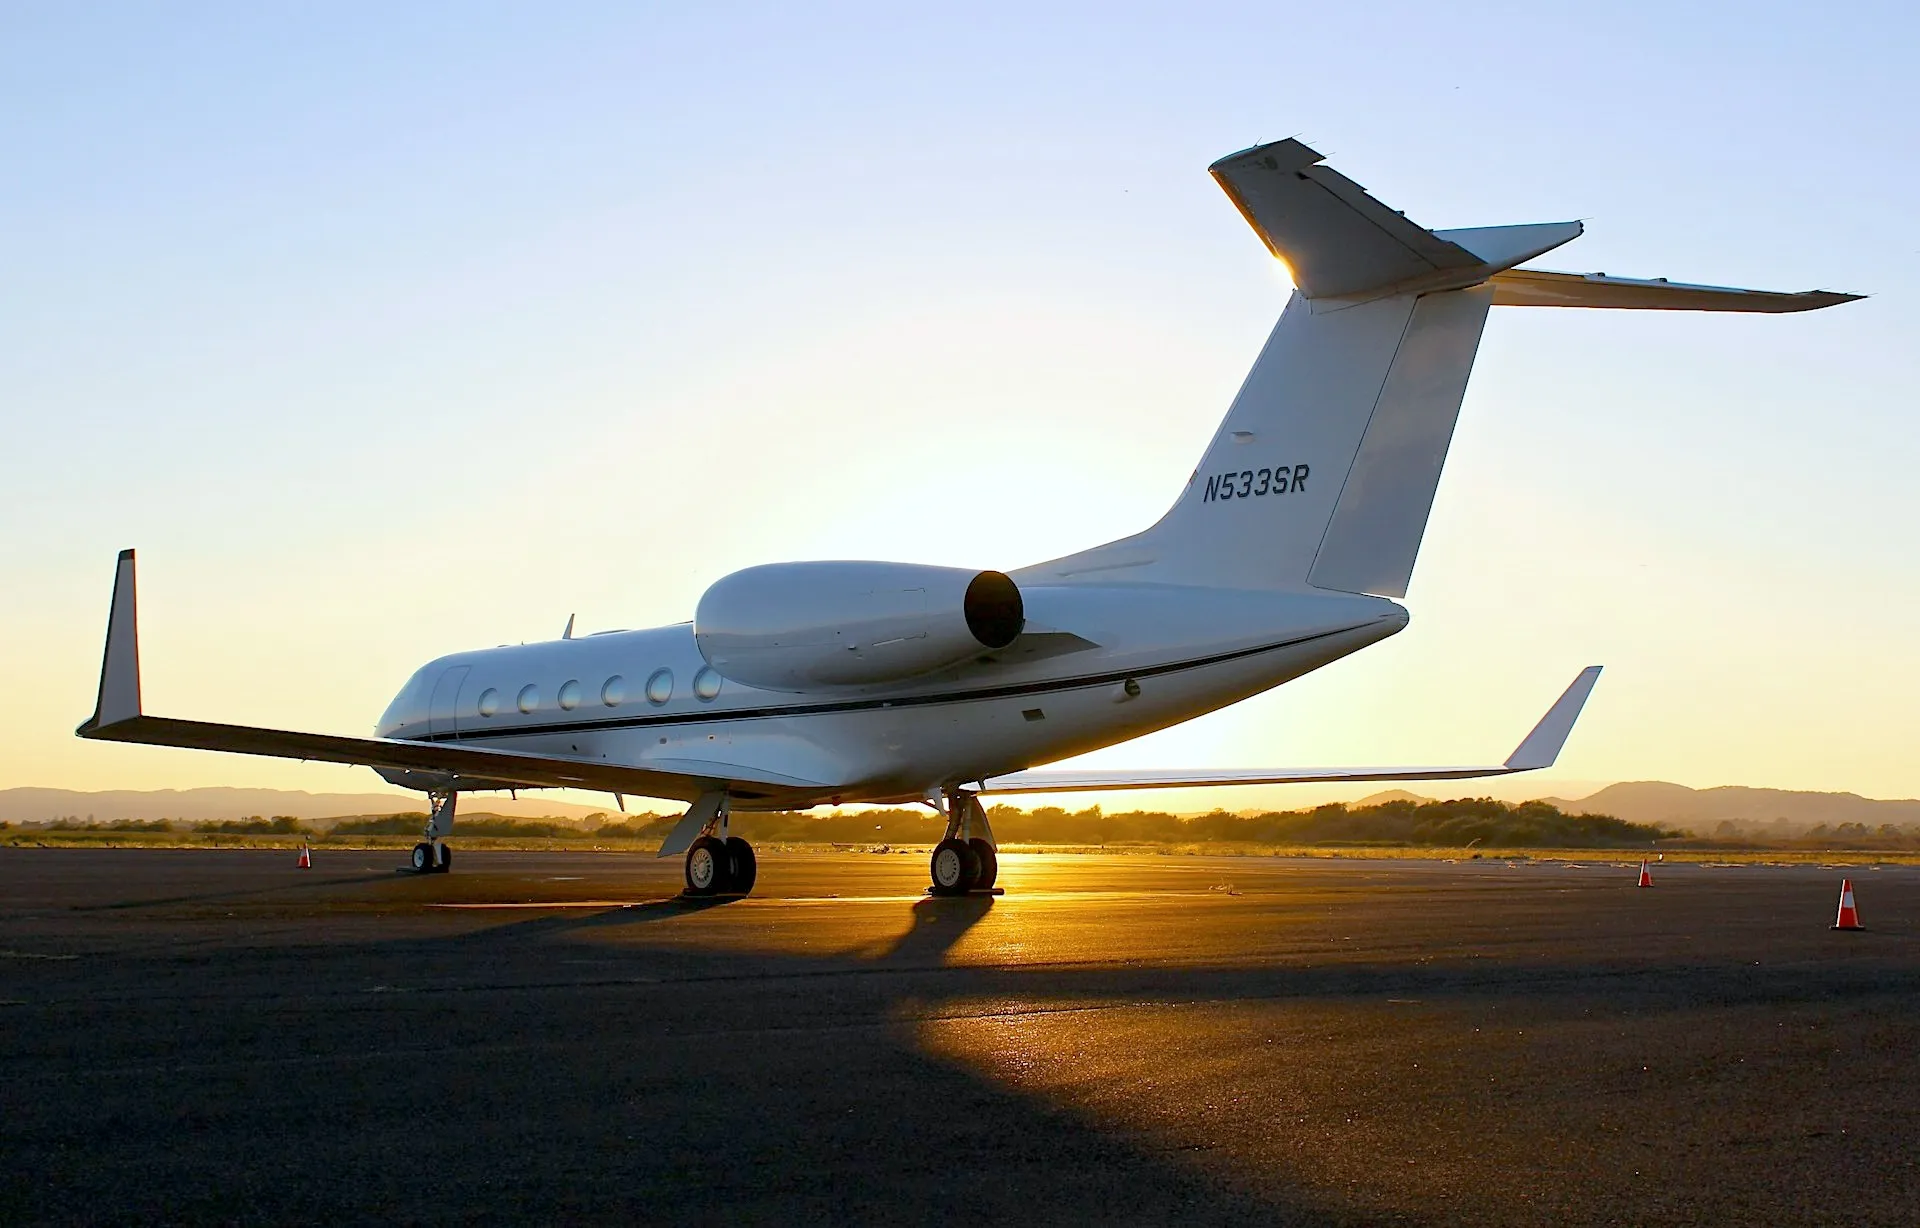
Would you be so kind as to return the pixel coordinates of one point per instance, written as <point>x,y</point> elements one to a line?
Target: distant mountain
<point>201,805</point>
<point>1390,795</point>
<point>1701,810</point>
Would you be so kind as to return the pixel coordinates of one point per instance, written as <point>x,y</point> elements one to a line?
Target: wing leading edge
<point>1538,750</point>
<point>117,717</point>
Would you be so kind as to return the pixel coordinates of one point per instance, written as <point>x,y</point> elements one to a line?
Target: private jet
<point>804,684</point>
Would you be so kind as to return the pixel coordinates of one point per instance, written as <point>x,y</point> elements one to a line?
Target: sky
<point>386,331</point>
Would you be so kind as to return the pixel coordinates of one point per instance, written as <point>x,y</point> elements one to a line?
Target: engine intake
<point>804,626</point>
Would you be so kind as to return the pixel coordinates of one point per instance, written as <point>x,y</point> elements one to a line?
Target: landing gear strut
<point>717,863</point>
<point>966,858</point>
<point>431,855</point>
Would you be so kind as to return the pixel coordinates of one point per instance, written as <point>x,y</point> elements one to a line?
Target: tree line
<point>1449,824</point>
<point>1457,823</point>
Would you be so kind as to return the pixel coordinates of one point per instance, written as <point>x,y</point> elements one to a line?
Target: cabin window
<point>660,686</point>
<point>529,697</point>
<point>614,693</point>
<point>570,694</point>
<point>489,702</point>
<point>706,683</point>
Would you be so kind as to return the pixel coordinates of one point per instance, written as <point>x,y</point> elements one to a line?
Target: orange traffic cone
<point>306,858</point>
<point>1646,879</point>
<point>1849,918</point>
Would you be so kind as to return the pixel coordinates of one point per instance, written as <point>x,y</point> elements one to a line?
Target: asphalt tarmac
<point>196,1036</point>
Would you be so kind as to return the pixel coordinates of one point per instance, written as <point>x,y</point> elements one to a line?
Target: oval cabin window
<point>529,697</point>
<point>706,684</point>
<point>660,686</point>
<point>614,693</point>
<point>570,694</point>
<point>489,702</point>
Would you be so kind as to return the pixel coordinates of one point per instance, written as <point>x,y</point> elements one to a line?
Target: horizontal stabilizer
<point>1539,750</point>
<point>1540,288</point>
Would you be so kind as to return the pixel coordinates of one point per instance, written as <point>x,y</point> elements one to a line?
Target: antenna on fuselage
<point>568,633</point>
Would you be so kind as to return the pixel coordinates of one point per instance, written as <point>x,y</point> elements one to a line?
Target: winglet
<point>1542,746</point>
<point>119,698</point>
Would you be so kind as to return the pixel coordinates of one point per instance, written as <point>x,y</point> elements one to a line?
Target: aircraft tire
<point>707,867</point>
<point>423,858</point>
<point>446,860</point>
<point>743,869</point>
<point>954,866</point>
<point>989,862</point>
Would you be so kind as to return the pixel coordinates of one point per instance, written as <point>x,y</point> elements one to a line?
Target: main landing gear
<point>717,866</point>
<point>717,863</point>
<point>431,855</point>
<point>965,860</point>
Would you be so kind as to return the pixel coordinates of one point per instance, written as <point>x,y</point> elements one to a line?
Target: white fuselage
<point>648,698</point>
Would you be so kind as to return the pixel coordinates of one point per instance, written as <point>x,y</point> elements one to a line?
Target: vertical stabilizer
<point>1325,468</point>
<point>1377,525</point>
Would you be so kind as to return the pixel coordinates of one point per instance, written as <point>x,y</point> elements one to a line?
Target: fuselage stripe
<point>863,705</point>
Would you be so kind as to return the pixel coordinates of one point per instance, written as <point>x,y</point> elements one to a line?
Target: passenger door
<point>443,713</point>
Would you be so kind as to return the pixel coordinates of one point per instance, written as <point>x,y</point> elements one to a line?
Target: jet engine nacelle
<point>802,626</point>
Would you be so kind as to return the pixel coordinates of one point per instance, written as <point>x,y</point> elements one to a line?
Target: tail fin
<point>1324,472</point>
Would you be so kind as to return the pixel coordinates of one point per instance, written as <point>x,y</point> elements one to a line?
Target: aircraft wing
<point>117,717</point>
<point>1538,750</point>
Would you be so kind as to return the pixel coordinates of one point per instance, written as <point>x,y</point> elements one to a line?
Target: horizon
<point>1745,817</point>
<point>290,305</point>
<point>537,807</point>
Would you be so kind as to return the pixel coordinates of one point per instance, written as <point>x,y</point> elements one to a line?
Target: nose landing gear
<point>966,859</point>
<point>431,855</point>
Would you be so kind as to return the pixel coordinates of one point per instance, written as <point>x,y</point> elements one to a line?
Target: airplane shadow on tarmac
<point>668,1060</point>
<point>511,1073</point>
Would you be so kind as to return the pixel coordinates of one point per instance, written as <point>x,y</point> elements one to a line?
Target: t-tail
<point>1324,471</point>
